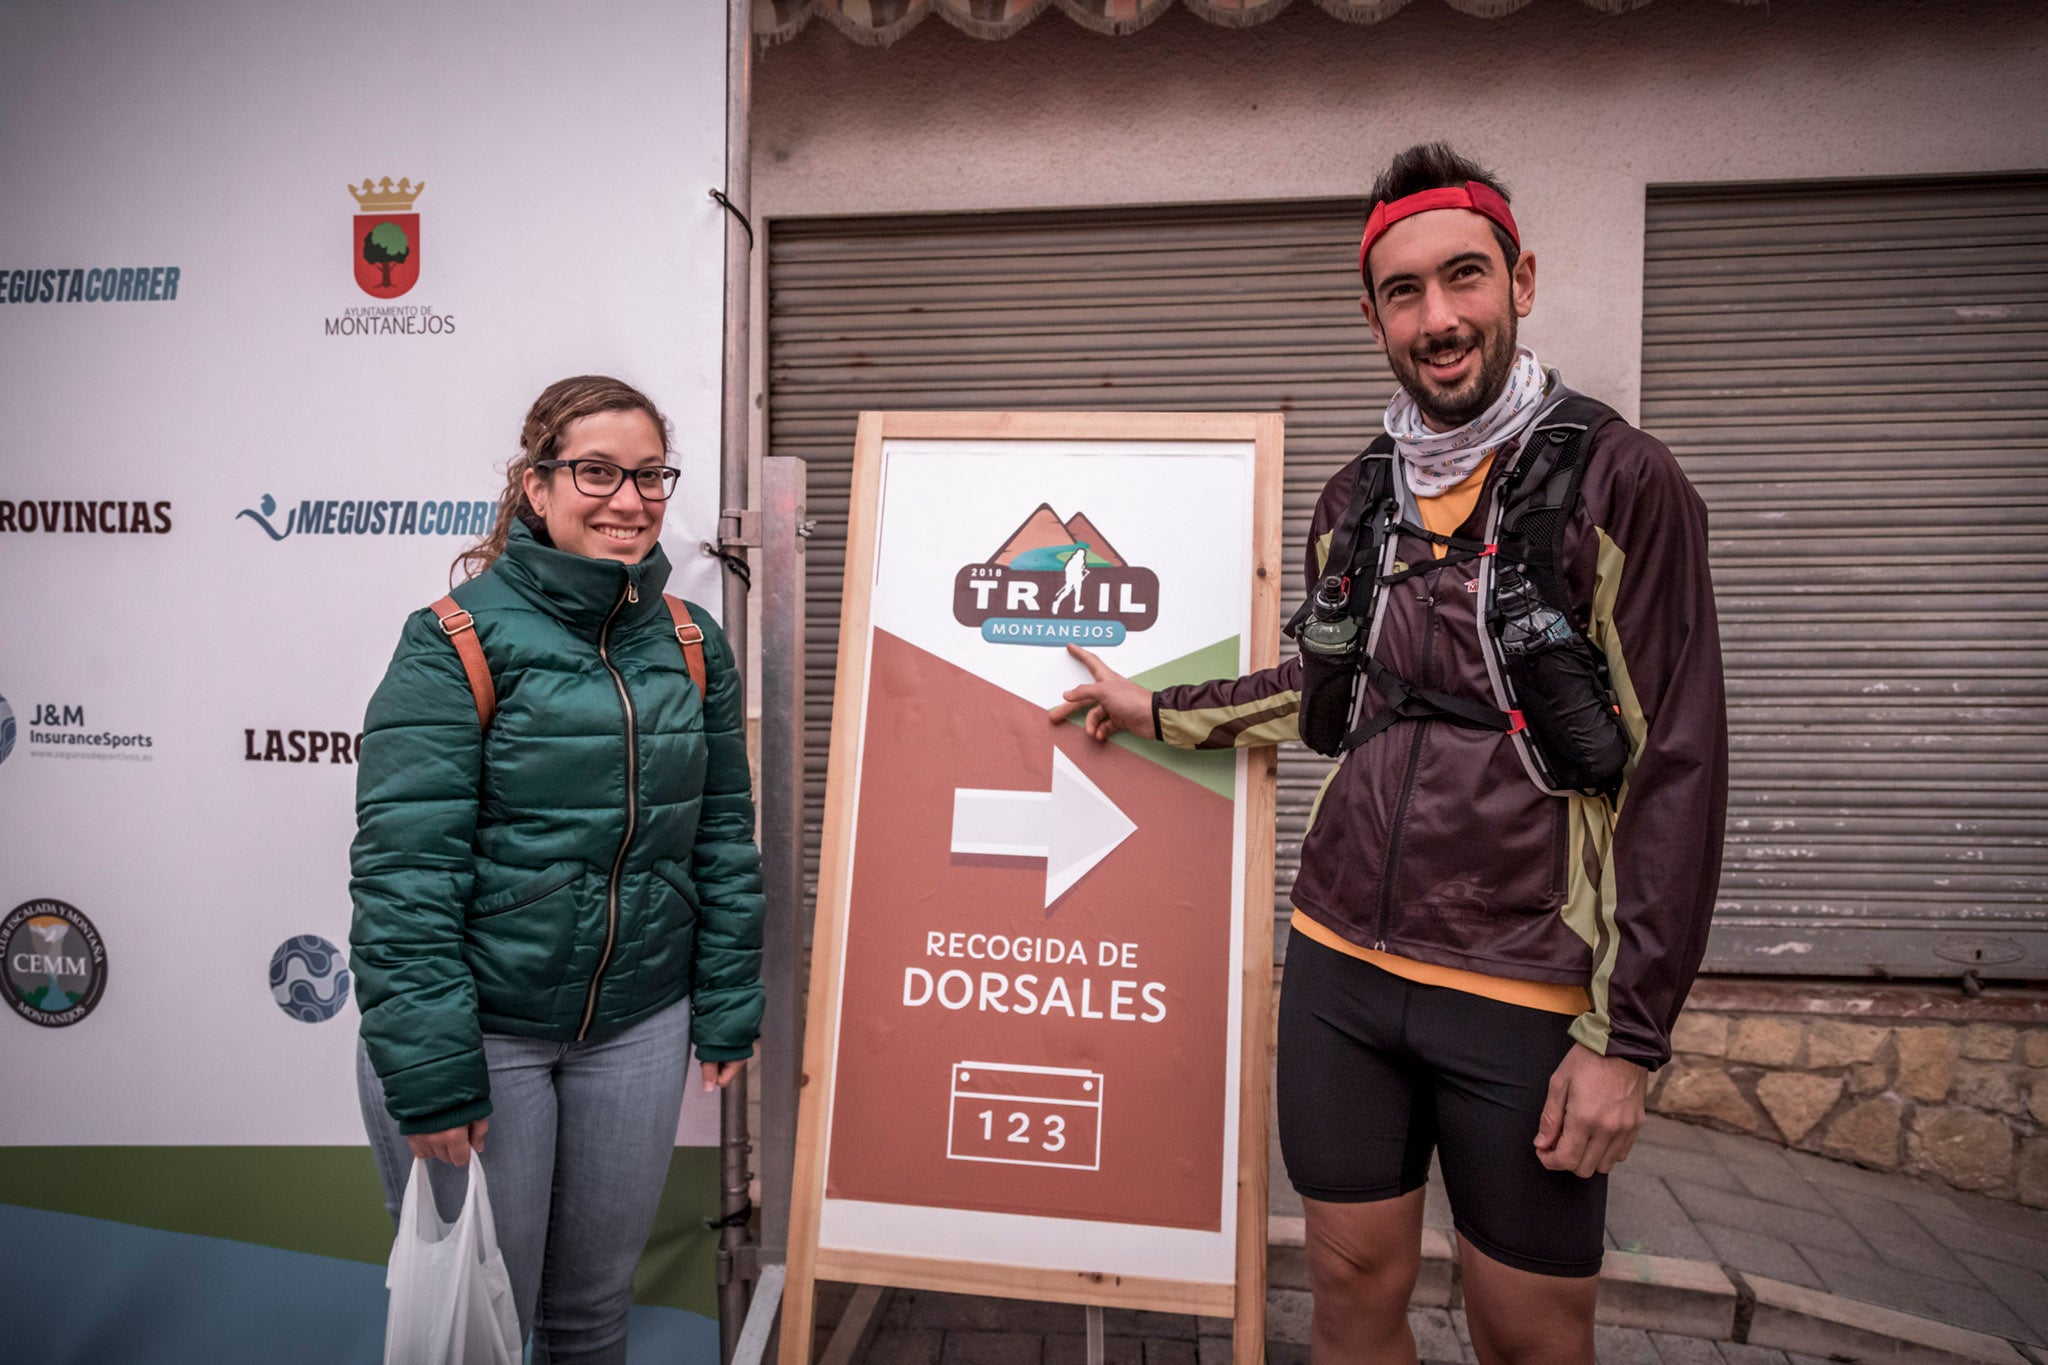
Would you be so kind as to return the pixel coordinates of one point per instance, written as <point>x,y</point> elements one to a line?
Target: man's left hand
<point>1593,1111</point>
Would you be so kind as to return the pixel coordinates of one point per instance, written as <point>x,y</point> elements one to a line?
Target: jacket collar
<point>578,591</point>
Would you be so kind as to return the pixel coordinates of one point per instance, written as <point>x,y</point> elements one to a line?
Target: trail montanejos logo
<point>53,966</point>
<point>385,244</point>
<point>370,517</point>
<point>1056,582</point>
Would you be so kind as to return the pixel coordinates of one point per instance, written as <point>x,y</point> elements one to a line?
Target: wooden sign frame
<point>1244,1300</point>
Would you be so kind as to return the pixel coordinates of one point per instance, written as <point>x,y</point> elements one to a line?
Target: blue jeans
<point>579,1147</point>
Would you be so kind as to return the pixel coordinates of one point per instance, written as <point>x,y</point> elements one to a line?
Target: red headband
<point>1471,195</point>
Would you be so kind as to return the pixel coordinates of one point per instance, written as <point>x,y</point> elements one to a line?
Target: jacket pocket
<point>527,891</point>
<point>671,938</point>
<point>681,882</point>
<point>522,947</point>
<point>1481,846</point>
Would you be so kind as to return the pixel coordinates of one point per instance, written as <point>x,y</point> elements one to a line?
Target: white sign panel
<point>1028,1050</point>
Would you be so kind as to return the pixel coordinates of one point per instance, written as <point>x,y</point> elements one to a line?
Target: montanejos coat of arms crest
<point>386,242</point>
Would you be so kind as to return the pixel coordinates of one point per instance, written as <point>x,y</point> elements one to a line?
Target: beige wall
<point>1577,110</point>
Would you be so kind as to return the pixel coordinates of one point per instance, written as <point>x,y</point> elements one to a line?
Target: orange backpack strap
<point>460,628</point>
<point>691,638</point>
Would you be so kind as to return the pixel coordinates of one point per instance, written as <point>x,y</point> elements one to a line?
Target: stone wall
<point>1899,1079</point>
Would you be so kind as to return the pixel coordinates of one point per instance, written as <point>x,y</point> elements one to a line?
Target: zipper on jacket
<point>611,892</point>
<point>1407,786</point>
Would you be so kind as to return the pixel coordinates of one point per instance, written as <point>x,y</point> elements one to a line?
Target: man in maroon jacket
<point>1480,967</point>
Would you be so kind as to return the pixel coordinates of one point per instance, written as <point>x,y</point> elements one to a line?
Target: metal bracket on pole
<point>739,528</point>
<point>742,1264</point>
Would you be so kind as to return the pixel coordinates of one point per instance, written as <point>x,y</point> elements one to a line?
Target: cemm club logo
<point>53,964</point>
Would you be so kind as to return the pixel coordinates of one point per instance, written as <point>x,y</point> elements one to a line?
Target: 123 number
<point>1054,1139</point>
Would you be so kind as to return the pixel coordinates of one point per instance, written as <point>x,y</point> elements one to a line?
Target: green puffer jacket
<point>585,862</point>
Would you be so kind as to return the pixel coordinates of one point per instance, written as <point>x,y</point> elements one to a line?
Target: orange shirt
<point>1446,512</point>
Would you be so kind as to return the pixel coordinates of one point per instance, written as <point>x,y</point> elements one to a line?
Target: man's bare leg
<point>1362,1263</point>
<point>1522,1318</point>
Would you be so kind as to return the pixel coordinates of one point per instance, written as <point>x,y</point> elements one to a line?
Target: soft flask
<point>1556,680</point>
<point>1329,666</point>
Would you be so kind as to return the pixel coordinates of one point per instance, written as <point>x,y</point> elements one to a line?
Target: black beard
<point>1447,410</point>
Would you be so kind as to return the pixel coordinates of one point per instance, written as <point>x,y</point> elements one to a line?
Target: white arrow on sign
<point>1073,826</point>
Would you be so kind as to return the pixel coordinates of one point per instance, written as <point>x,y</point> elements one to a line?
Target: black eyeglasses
<point>601,478</point>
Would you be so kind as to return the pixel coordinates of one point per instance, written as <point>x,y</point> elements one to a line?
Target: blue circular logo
<point>309,978</point>
<point>6,730</point>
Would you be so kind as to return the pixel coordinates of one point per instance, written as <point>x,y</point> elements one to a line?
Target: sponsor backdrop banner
<point>277,284</point>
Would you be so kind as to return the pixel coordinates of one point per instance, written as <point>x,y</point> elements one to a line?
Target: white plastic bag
<point>451,1300</point>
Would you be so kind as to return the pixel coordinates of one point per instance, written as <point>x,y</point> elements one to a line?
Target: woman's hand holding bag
<point>451,1299</point>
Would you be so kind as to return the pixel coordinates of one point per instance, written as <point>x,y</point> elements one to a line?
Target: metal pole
<point>732,490</point>
<point>785,532</point>
<point>785,529</point>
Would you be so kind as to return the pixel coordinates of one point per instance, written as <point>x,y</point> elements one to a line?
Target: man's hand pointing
<point>1119,703</point>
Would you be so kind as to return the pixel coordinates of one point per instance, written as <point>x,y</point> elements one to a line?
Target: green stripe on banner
<point>1215,769</point>
<point>323,1200</point>
<point>679,1269</point>
<point>326,1201</point>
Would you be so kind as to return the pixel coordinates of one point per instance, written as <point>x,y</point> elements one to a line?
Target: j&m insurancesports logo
<point>384,251</point>
<point>69,516</point>
<point>59,730</point>
<point>370,517</point>
<point>53,966</point>
<point>73,284</point>
<point>309,978</point>
<point>1056,582</point>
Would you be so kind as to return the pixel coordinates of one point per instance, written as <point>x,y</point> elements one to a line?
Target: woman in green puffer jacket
<point>550,909</point>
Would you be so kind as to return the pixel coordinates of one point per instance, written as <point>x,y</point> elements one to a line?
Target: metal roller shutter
<point>1856,378</point>
<point>1213,308</point>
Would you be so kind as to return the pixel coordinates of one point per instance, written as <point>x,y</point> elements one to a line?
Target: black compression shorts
<point>1375,1071</point>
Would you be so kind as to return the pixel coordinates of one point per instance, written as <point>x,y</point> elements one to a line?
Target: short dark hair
<point>1436,166</point>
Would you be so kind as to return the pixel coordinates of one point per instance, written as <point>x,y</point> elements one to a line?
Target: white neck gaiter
<point>1435,462</point>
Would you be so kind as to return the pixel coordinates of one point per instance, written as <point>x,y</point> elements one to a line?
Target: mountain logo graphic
<point>1056,581</point>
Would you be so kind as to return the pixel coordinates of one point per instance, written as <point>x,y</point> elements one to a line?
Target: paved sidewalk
<point>1896,1240</point>
<point>1705,1228</point>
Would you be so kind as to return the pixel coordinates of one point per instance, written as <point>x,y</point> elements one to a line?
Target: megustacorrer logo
<point>1056,582</point>
<point>386,242</point>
